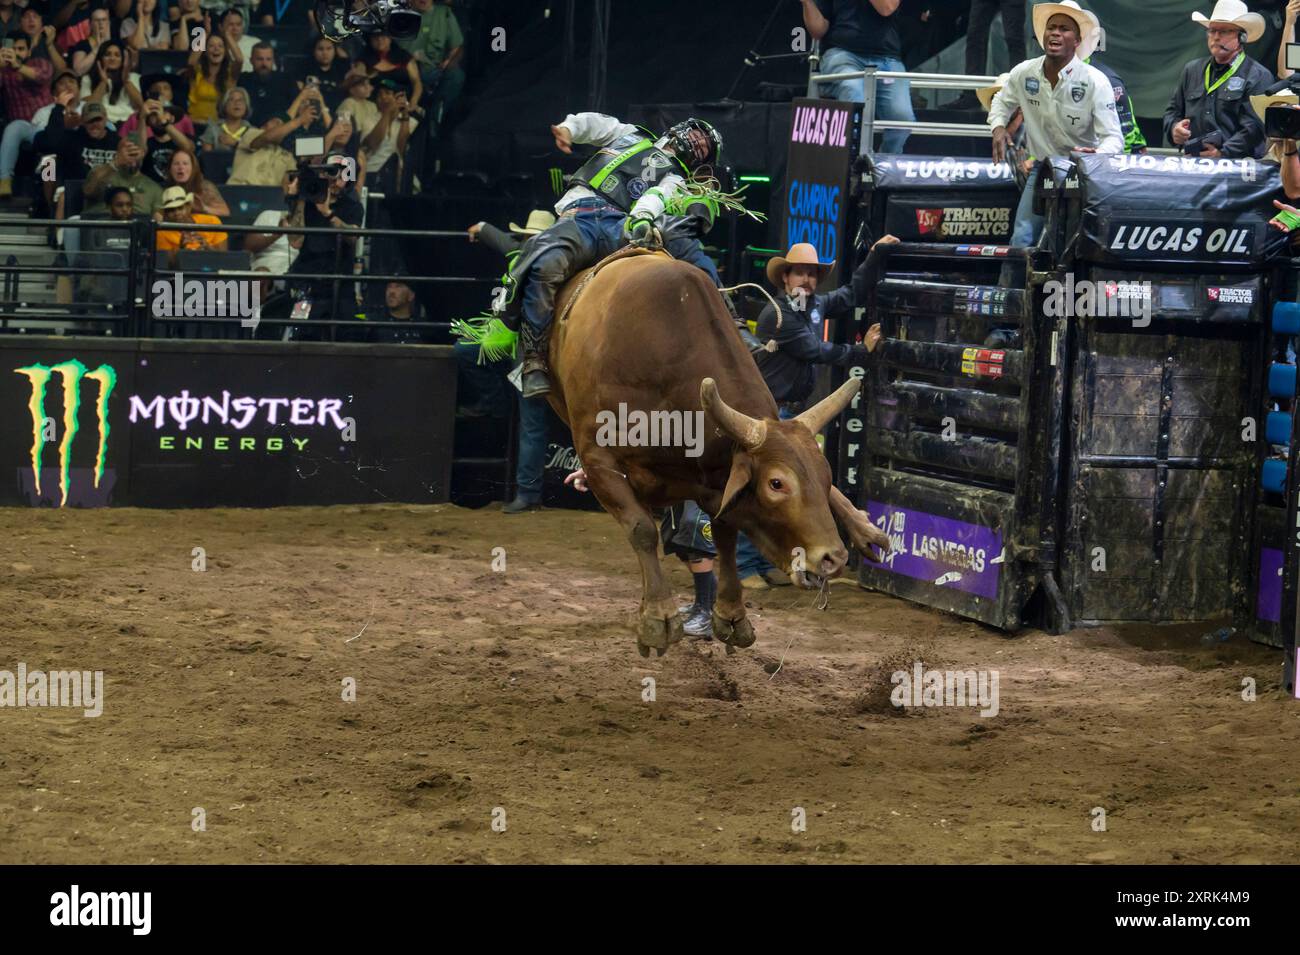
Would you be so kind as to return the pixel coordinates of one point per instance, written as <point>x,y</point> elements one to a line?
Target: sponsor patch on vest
<point>1236,83</point>
<point>1031,85</point>
<point>1076,93</point>
<point>815,316</point>
<point>636,188</point>
<point>609,185</point>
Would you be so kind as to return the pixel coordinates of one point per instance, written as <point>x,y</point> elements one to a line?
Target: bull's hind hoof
<point>734,633</point>
<point>658,634</point>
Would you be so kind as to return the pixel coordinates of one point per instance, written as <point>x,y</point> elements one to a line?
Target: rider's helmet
<point>695,142</point>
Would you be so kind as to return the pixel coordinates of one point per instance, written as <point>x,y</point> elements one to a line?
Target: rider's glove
<point>642,234</point>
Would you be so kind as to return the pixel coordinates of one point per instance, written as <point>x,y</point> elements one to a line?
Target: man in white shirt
<point>1067,105</point>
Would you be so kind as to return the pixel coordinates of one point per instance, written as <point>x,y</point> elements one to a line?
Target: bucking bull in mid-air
<point>651,333</point>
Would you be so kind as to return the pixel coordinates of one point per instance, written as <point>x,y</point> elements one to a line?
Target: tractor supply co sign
<point>181,424</point>
<point>816,181</point>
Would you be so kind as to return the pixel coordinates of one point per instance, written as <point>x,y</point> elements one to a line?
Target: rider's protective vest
<point>623,176</point>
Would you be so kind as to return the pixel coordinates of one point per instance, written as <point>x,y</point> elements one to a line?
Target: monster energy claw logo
<point>71,373</point>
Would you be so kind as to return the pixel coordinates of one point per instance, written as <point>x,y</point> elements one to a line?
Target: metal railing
<point>941,81</point>
<point>132,313</point>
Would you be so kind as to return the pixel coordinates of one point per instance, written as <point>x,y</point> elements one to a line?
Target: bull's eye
<point>775,484</point>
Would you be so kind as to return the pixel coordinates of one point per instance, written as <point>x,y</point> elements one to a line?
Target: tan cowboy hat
<point>539,220</point>
<point>801,253</point>
<point>1088,24</point>
<point>1261,103</point>
<point>1233,13</point>
<point>986,93</point>
<point>173,197</point>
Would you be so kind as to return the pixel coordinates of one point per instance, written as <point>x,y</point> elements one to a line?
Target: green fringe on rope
<point>710,190</point>
<point>490,334</point>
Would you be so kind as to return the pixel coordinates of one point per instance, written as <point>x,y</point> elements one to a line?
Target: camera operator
<point>325,201</point>
<point>385,144</point>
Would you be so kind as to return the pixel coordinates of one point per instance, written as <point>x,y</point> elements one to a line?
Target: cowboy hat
<point>1233,13</point>
<point>173,197</point>
<point>1261,103</point>
<point>986,93</point>
<point>1088,24</point>
<point>801,253</point>
<point>539,220</point>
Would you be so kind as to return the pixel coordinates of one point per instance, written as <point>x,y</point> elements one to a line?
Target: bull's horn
<point>821,414</point>
<point>749,433</point>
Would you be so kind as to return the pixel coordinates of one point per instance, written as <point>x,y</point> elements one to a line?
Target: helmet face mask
<point>695,142</point>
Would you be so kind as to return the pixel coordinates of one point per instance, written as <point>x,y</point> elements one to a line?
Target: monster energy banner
<point>941,199</point>
<point>1178,210</point>
<point>817,179</point>
<point>88,422</point>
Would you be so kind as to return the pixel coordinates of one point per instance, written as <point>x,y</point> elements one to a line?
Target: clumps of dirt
<point>875,699</point>
<point>435,784</point>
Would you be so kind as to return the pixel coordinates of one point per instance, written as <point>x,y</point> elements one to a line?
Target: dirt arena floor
<point>522,691</point>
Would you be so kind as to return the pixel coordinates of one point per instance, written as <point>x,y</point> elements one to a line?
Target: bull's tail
<point>494,340</point>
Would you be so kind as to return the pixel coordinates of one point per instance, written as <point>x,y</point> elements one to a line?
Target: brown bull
<point>653,334</point>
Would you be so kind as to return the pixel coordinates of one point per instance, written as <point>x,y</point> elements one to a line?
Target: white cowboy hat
<point>1088,24</point>
<point>985,94</point>
<point>1233,13</point>
<point>539,220</point>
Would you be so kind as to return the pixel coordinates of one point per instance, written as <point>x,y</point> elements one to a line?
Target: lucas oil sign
<point>817,175</point>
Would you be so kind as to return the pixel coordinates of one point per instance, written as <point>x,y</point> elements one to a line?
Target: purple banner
<point>945,552</point>
<point>1268,602</point>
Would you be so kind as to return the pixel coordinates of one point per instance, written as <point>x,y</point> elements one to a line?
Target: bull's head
<point>777,492</point>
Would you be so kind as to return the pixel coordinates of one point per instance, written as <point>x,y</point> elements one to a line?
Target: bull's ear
<point>742,472</point>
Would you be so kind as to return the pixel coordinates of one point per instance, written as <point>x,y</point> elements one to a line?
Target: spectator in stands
<point>123,172</point>
<point>1211,106</point>
<point>1288,36</point>
<point>385,143</point>
<point>260,159</point>
<point>85,54</point>
<point>66,92</point>
<point>185,18</point>
<point>80,141</point>
<point>177,208</point>
<point>357,87</point>
<point>1066,105</point>
<point>119,206</point>
<point>275,252</point>
<point>10,14</point>
<point>399,306</point>
<point>437,50</point>
<point>24,82</point>
<point>382,57</point>
<point>327,70</point>
<point>856,34</point>
<point>183,170</point>
<point>168,90</point>
<point>162,138</point>
<point>269,90</point>
<point>111,84</point>
<point>72,20</point>
<point>210,73</point>
<point>156,34</point>
<point>241,45</point>
<point>40,38</point>
<point>226,135</point>
<point>981,17</point>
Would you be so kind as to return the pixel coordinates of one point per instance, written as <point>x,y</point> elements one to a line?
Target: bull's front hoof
<point>659,634</point>
<point>734,633</point>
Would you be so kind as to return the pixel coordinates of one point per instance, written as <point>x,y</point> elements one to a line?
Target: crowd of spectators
<point>168,102</point>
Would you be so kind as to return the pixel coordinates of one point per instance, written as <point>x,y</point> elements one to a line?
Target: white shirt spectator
<point>119,112</point>
<point>1078,112</point>
<point>279,255</point>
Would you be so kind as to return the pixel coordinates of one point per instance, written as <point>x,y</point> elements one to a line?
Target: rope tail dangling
<point>710,190</point>
<point>494,340</point>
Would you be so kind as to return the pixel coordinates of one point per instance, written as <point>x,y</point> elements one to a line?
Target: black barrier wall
<point>88,422</point>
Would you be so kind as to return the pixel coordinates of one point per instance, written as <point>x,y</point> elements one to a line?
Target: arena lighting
<point>754,178</point>
<point>340,19</point>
